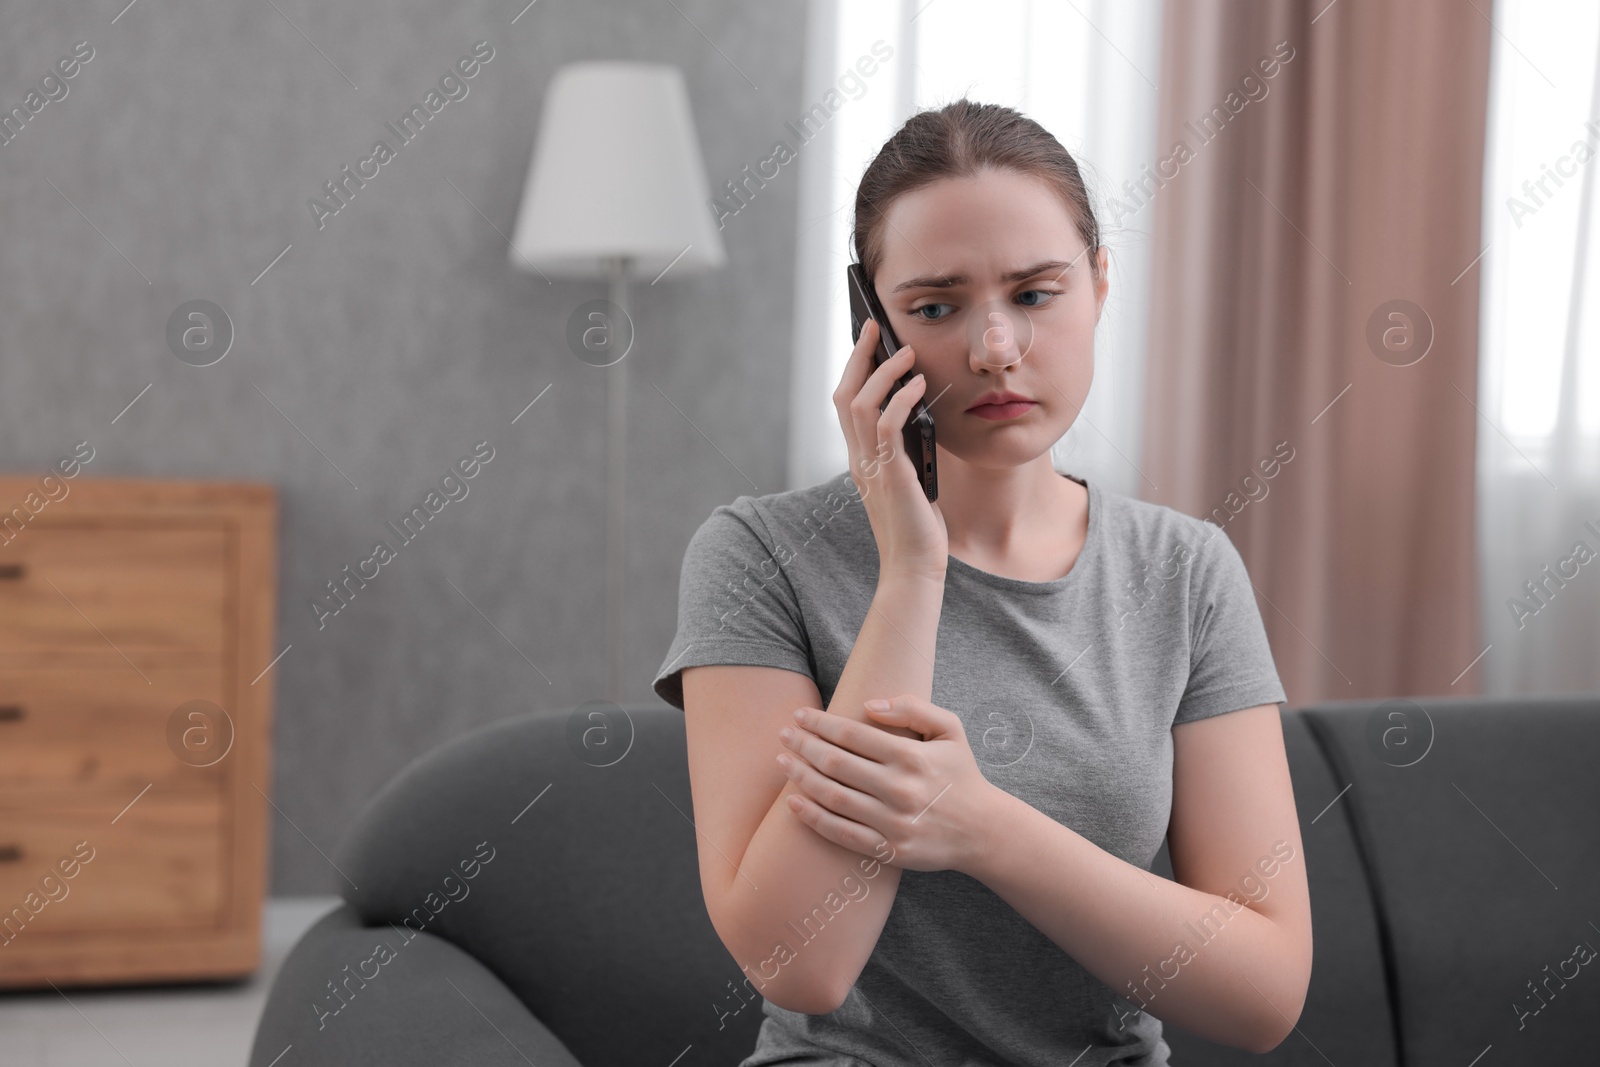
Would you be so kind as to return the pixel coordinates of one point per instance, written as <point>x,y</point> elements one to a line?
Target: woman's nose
<point>998,337</point>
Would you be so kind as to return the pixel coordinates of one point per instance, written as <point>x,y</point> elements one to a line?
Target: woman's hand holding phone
<point>910,530</point>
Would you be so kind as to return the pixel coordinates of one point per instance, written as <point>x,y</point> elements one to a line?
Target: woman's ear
<point>1102,284</point>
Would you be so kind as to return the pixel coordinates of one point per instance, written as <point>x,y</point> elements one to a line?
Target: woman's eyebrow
<point>947,281</point>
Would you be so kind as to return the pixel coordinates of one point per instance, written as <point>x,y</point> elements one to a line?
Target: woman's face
<point>988,280</point>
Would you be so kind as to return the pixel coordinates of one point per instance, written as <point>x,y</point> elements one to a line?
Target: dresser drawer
<point>120,603</point>
<point>64,731</point>
<point>159,866</point>
<point>135,586</point>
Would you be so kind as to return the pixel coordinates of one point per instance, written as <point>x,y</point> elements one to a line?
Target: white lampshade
<point>616,171</point>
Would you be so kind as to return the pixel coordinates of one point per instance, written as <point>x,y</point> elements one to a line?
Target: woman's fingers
<point>882,379</point>
<point>859,365</point>
<point>864,385</point>
<point>888,429</point>
<point>842,749</point>
<point>856,371</point>
<point>891,423</point>
<point>868,409</point>
<point>846,749</point>
<point>837,828</point>
<point>837,798</point>
<point>858,368</point>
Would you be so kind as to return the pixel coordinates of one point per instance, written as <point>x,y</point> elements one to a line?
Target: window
<point>1539,373</point>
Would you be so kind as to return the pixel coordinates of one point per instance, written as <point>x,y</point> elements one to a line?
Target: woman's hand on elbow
<point>918,804</point>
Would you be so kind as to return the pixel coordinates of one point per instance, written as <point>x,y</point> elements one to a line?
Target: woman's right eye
<point>918,312</point>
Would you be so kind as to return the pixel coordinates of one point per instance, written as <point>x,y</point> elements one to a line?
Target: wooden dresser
<point>136,629</point>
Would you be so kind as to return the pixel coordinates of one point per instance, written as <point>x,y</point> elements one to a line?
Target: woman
<point>960,875</point>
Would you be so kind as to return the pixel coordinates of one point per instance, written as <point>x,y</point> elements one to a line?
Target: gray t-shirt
<point>1069,690</point>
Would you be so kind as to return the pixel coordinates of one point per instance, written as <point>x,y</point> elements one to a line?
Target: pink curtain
<point>1313,351</point>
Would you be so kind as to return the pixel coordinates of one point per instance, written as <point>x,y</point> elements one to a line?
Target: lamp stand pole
<point>616,484</point>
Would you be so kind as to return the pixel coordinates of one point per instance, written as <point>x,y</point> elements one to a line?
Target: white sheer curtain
<point>1087,72</point>
<point>1539,383</point>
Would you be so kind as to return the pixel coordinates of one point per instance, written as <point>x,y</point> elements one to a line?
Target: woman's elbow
<point>1282,1026</point>
<point>1283,1014</point>
<point>778,975</point>
<point>802,1001</point>
<point>791,989</point>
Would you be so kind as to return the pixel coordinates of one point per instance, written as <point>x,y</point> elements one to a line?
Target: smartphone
<point>918,430</point>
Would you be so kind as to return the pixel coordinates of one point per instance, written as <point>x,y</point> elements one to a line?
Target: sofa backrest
<point>1480,833</point>
<point>1452,883</point>
<point>584,890</point>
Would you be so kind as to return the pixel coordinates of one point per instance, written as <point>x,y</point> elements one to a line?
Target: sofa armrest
<point>349,993</point>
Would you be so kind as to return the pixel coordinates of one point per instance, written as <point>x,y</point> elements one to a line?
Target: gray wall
<point>394,338</point>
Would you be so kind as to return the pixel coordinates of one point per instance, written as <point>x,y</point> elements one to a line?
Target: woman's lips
<point>1000,412</point>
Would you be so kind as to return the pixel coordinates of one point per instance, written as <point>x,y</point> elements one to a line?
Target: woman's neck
<point>1028,519</point>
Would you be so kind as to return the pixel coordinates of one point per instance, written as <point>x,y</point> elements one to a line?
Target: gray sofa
<point>547,866</point>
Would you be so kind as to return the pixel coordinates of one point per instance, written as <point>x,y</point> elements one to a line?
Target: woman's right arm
<point>765,874</point>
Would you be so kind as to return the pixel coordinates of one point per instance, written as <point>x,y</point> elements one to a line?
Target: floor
<point>192,1026</point>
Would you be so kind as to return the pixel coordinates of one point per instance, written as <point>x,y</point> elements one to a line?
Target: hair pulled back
<point>957,141</point>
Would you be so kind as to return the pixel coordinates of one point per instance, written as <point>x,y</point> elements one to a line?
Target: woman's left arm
<point>1225,950</point>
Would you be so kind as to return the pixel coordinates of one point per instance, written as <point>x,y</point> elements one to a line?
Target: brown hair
<point>957,141</point>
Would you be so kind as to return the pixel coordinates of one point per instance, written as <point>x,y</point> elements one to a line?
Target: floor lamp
<point>616,189</point>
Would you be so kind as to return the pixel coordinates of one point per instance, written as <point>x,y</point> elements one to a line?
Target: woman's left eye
<point>1043,293</point>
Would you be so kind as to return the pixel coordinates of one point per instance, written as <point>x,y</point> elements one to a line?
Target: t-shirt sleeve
<point>735,603</point>
<point>1230,662</point>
